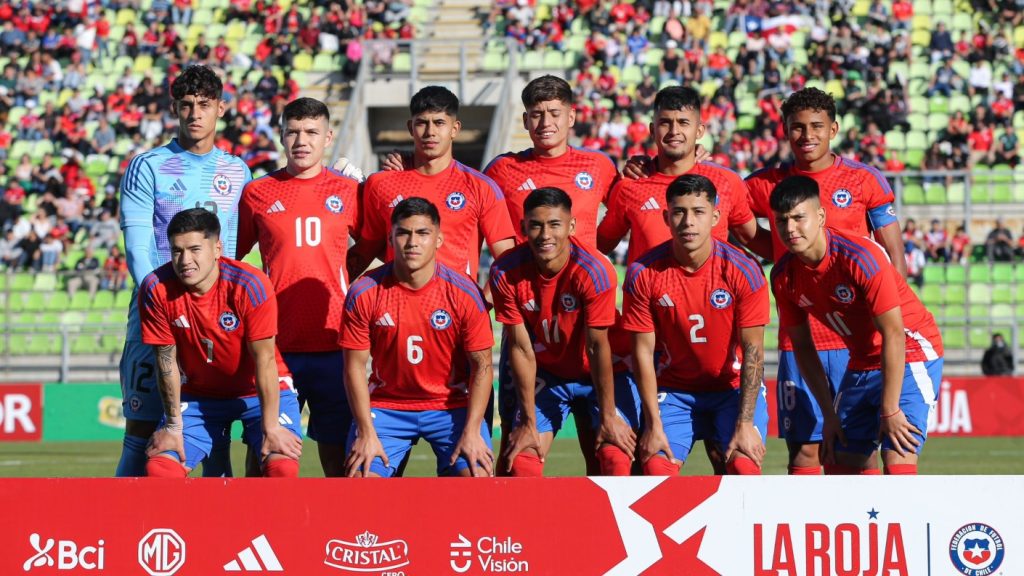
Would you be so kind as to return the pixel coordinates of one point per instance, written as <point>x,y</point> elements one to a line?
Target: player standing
<point>185,173</point>
<point>427,329</point>
<point>683,299</point>
<point>556,299</point>
<point>858,201</point>
<point>847,282</point>
<point>212,322</point>
<point>302,216</point>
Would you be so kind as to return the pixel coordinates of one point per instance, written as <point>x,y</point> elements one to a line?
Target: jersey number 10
<point>308,232</point>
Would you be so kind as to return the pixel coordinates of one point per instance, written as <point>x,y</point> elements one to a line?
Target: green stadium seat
<point>58,301</point>
<point>956,274</point>
<point>913,194</point>
<point>48,319</point>
<point>17,344</point>
<point>34,302</point>
<point>85,344</point>
<point>44,282</point>
<point>1002,272</point>
<point>931,295</point>
<point>122,299</point>
<point>42,344</point>
<point>94,317</point>
<point>112,344</point>
<point>979,311</point>
<point>938,105</point>
<point>80,301</point>
<point>979,294</point>
<point>955,294</point>
<point>22,282</point>
<point>979,273</point>
<point>896,140</point>
<point>302,62</point>
<point>72,318</point>
<point>1002,294</point>
<point>953,338</point>
<point>1018,293</point>
<point>979,338</point>
<point>104,300</point>
<point>937,122</point>
<point>531,60</point>
<point>1002,311</point>
<point>495,61</point>
<point>956,192</point>
<point>913,158</point>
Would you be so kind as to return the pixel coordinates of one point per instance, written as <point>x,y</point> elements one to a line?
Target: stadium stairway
<point>454,20</point>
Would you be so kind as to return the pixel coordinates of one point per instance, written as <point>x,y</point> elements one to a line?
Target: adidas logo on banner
<point>804,302</point>
<point>275,207</point>
<point>252,557</point>
<point>530,306</point>
<point>651,204</point>
<point>181,322</point>
<point>666,301</point>
<point>395,202</point>
<point>528,185</point>
<point>385,321</point>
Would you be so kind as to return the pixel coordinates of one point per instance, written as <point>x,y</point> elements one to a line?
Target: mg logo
<point>161,552</point>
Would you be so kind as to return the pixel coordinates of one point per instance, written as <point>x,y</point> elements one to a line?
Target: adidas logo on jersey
<point>651,204</point>
<point>530,306</point>
<point>804,302</point>
<point>385,321</point>
<point>259,557</point>
<point>395,202</point>
<point>275,207</point>
<point>178,187</point>
<point>181,322</point>
<point>528,185</point>
<point>666,301</point>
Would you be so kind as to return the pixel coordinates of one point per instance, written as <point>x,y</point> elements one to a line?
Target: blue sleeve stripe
<point>598,152</point>
<point>757,173</point>
<point>254,298</point>
<point>508,261</point>
<point>498,194</point>
<point>882,182</point>
<point>860,255</point>
<point>738,259</point>
<point>368,281</point>
<point>252,284</point>
<point>717,166</point>
<point>598,274</point>
<point>462,283</point>
<point>641,263</point>
<point>149,284</point>
<point>781,265</point>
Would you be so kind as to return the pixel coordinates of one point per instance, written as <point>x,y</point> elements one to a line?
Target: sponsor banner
<point>83,412</point>
<point>696,526</point>
<point>971,406</point>
<point>21,412</point>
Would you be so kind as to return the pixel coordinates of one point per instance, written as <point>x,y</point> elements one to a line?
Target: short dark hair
<point>545,89</point>
<point>194,220</point>
<point>552,197</point>
<point>434,99</point>
<point>691,184</point>
<point>809,99</point>
<point>677,98</point>
<point>415,206</point>
<point>197,80</point>
<point>302,108</point>
<point>793,191</point>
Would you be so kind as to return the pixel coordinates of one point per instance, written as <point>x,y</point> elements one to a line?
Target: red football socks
<point>614,462</point>
<point>805,470</point>
<point>281,468</point>
<point>163,467</point>
<point>742,467</point>
<point>527,466</point>
<point>658,466</point>
<point>901,470</point>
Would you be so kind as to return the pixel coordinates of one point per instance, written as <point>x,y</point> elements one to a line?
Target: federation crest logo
<point>976,550</point>
<point>844,293</point>
<point>334,204</point>
<point>891,211</point>
<point>135,402</point>
<point>842,198</point>
<point>440,319</point>
<point>228,321</point>
<point>584,181</point>
<point>721,299</point>
<point>455,201</point>
<point>222,184</point>
<point>569,302</point>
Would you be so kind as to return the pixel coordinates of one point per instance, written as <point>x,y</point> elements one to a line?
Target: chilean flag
<point>765,27</point>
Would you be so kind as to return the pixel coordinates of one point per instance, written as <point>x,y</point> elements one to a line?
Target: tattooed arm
<point>168,439</point>
<point>471,445</point>
<point>746,440</point>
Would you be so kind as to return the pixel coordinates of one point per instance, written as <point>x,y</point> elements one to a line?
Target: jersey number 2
<point>699,323</point>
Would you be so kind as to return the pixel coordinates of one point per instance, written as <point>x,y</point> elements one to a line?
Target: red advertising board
<point>21,412</point>
<point>969,406</point>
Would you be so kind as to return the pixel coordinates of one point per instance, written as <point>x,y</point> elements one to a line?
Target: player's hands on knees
<point>746,441</point>
<point>365,448</point>
<point>167,438</point>
<point>831,431</point>
<point>524,436</point>
<point>394,161</point>
<point>638,167</point>
<point>280,440</point>
<point>900,432</point>
<point>653,441</point>
<point>616,432</point>
<point>472,447</point>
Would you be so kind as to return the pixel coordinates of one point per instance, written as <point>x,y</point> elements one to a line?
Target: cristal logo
<point>493,554</point>
<point>367,554</point>
<point>69,555</point>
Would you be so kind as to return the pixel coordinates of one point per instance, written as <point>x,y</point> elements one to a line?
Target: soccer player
<point>556,299</point>
<point>185,173</point>
<point>698,308</point>
<point>302,216</point>
<point>473,205</point>
<point>212,322</point>
<point>847,282</point>
<point>857,200</point>
<point>635,206</point>
<point>427,329</point>
<point>585,175</point>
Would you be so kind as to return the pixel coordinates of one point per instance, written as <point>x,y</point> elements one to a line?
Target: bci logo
<point>63,554</point>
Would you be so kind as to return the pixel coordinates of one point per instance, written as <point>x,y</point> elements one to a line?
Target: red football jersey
<point>558,310</point>
<point>303,228</point>
<point>851,285</point>
<point>636,207</point>
<point>471,207</point>
<point>696,316</point>
<point>585,175</point>
<point>857,200</point>
<point>212,331</point>
<point>418,339</point>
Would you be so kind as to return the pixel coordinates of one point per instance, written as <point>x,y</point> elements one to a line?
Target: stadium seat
<point>955,294</point>
<point>931,295</point>
<point>44,282</point>
<point>104,300</point>
<point>17,344</point>
<point>85,344</point>
<point>58,301</point>
<point>302,62</point>
<point>913,194</point>
<point>34,302</point>
<point>979,273</point>
<point>979,294</point>
<point>72,318</point>
<point>953,338</point>
<point>94,317</point>
<point>1002,311</point>
<point>123,299</point>
<point>956,192</point>
<point>934,193</point>
<point>1002,294</point>
<point>111,344</point>
<point>956,274</point>
<point>22,282</point>
<point>934,274</point>
<point>80,301</point>
<point>979,338</point>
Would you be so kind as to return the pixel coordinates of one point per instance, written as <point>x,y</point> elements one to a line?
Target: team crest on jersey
<point>842,198</point>
<point>135,402</point>
<point>440,319</point>
<point>584,181</point>
<point>222,184</point>
<point>721,299</point>
<point>569,302</point>
<point>228,321</point>
<point>334,204</point>
<point>844,293</point>
<point>455,201</point>
<point>976,550</point>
